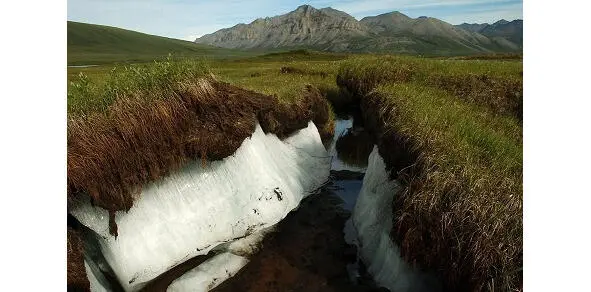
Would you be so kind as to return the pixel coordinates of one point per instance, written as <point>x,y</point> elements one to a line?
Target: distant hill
<point>502,29</point>
<point>473,27</point>
<point>98,44</point>
<point>426,35</point>
<point>328,29</point>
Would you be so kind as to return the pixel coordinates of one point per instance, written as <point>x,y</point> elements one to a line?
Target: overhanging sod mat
<point>460,213</point>
<point>143,122</point>
<point>140,123</point>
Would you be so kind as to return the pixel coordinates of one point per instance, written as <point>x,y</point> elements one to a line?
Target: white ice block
<point>95,284</point>
<point>372,219</point>
<point>209,274</point>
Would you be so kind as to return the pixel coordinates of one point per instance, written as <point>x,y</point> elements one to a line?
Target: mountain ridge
<point>329,29</point>
<point>509,30</point>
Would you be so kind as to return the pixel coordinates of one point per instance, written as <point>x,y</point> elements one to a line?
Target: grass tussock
<point>266,77</point>
<point>360,76</point>
<point>154,81</point>
<point>493,84</point>
<point>303,71</point>
<point>501,95</point>
<point>176,115</point>
<point>283,119</point>
<point>285,79</point>
<point>461,164</point>
<point>76,272</point>
<point>340,99</point>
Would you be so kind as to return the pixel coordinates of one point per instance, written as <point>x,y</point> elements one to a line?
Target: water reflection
<point>350,146</point>
<point>354,147</point>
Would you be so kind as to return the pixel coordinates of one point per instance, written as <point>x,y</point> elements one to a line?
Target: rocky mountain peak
<point>333,30</point>
<point>501,22</point>
<point>305,7</point>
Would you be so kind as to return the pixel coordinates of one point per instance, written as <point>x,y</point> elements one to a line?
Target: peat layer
<point>111,155</point>
<point>461,219</point>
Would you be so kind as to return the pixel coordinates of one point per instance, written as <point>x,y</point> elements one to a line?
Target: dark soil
<point>77,280</point>
<point>307,252</point>
<point>161,283</point>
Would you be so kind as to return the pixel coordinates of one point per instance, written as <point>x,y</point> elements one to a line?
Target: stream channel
<point>314,247</point>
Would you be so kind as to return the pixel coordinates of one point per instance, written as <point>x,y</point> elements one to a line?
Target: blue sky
<point>185,19</point>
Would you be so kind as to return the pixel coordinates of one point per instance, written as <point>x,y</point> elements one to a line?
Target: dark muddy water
<point>350,150</point>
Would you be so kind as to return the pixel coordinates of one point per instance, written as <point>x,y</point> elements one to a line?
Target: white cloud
<point>190,38</point>
<point>197,31</point>
<point>361,7</point>
<point>484,16</point>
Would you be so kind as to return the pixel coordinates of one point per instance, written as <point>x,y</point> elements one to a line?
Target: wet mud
<point>307,252</point>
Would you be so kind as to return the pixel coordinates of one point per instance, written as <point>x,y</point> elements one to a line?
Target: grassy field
<point>280,74</point>
<point>459,153</point>
<point>278,77</point>
<point>284,75</point>
<point>90,44</point>
<point>494,84</point>
<point>157,80</point>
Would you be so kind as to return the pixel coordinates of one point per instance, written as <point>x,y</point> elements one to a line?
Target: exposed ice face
<point>95,284</point>
<point>194,210</point>
<point>209,274</point>
<point>372,218</point>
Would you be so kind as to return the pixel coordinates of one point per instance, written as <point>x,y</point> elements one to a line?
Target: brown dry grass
<point>112,154</point>
<point>77,280</point>
<point>459,214</point>
<point>501,95</point>
<point>283,119</point>
<point>457,149</point>
<point>493,84</point>
<point>360,76</point>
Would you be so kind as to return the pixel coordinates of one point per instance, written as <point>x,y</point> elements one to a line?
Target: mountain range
<point>328,29</point>
<point>509,30</point>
